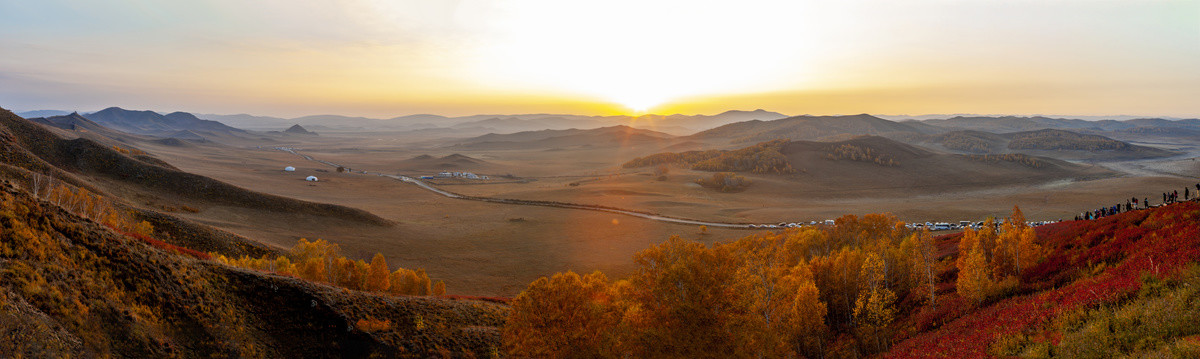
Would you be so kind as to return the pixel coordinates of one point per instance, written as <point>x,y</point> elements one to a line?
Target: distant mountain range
<point>548,139</point>
<point>725,129</point>
<point>153,123</point>
<point>677,124</point>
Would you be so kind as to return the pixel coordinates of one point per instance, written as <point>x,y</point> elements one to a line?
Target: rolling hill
<point>155,124</point>
<point>873,162</point>
<point>80,277</point>
<point>38,147</point>
<point>1054,143</point>
<point>810,128</point>
<point>597,137</point>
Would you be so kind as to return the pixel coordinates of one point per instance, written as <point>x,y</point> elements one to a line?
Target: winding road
<point>588,207</point>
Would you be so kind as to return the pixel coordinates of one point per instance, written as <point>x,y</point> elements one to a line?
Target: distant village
<point>464,175</point>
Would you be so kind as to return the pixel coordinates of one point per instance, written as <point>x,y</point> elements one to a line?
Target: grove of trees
<point>762,158</point>
<point>321,261</point>
<point>725,182</point>
<point>780,294</point>
<point>806,292</point>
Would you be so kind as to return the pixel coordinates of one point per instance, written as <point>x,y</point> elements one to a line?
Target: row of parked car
<point>933,226</point>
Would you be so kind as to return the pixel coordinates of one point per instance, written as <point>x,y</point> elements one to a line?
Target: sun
<point>638,103</point>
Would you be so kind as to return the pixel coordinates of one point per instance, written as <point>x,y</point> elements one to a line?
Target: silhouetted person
<point>1186,194</point>
<point>1146,202</point>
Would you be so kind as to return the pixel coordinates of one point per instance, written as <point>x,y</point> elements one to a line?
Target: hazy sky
<point>388,58</point>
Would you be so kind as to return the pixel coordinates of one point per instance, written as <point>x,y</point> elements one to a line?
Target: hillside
<point>969,141</point>
<point>87,274</point>
<point>872,162</point>
<point>32,147</point>
<point>299,130</point>
<point>809,128</point>
<point>877,162</point>
<point>72,287</point>
<point>152,123</point>
<point>1122,285</point>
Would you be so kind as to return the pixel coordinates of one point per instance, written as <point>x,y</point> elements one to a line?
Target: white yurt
<point>311,178</point>
<point>289,169</point>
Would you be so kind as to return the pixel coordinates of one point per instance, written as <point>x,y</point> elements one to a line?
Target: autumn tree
<point>974,277</point>
<point>680,290</point>
<point>768,276</point>
<point>921,248</point>
<point>564,316</point>
<point>875,307</point>
<point>401,281</point>
<point>377,274</point>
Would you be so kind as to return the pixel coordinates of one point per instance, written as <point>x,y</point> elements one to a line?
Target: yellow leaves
<point>990,262</point>
<point>320,261</point>
<point>377,274</point>
<point>566,315</point>
<point>409,282</point>
<point>974,278</point>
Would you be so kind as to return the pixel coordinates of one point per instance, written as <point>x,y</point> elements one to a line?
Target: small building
<point>289,169</point>
<point>311,178</point>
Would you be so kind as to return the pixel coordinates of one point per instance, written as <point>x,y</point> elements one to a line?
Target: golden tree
<point>974,278</point>
<point>875,308</point>
<point>923,251</point>
<point>564,316</point>
<point>377,274</point>
<point>684,305</point>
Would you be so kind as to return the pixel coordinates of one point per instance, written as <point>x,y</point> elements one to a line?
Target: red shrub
<point>1158,241</point>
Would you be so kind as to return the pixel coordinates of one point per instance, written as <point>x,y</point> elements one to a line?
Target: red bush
<point>1158,242</point>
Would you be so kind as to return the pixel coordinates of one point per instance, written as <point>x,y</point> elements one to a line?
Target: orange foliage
<point>321,261</point>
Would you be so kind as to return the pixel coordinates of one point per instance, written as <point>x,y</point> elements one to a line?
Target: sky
<point>380,58</point>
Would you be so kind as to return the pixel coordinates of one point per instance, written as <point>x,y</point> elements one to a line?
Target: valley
<point>503,246</point>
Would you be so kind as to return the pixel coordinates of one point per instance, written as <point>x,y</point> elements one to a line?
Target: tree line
<point>322,261</point>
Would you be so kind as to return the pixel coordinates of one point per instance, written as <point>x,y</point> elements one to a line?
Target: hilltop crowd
<point>1168,197</point>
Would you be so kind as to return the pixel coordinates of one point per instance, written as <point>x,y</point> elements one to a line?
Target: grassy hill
<point>1108,287</point>
<point>153,123</point>
<point>83,273</point>
<point>39,150</point>
<point>875,163</point>
<point>72,287</point>
<point>808,128</point>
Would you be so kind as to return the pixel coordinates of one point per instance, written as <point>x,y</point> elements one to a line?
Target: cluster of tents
<point>293,169</point>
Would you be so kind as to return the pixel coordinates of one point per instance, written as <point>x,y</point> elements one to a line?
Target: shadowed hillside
<point>152,123</point>
<point>86,157</point>
<point>74,288</point>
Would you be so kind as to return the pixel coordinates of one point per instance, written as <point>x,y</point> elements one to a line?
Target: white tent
<point>311,178</point>
<point>289,169</point>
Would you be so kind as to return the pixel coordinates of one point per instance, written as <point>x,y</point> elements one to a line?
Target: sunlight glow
<point>642,54</point>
